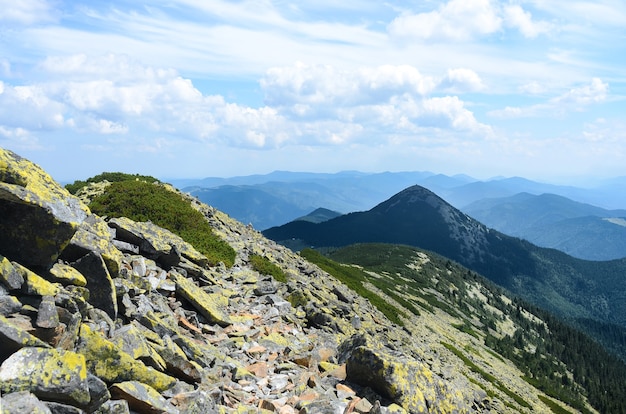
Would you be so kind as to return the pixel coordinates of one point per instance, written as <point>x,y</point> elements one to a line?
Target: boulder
<point>211,306</point>
<point>404,380</point>
<point>23,402</point>
<point>38,217</point>
<point>102,292</point>
<point>105,360</point>
<point>14,338</point>
<point>48,373</point>
<point>66,275</point>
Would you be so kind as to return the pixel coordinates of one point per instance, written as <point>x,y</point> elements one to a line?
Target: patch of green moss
<point>142,201</point>
<point>263,265</point>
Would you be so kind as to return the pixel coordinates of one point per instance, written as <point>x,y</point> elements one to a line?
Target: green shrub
<point>112,177</point>
<point>262,265</point>
<point>142,201</point>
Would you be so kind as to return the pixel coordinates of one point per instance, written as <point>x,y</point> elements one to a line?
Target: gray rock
<point>9,304</point>
<point>23,402</point>
<point>99,282</point>
<point>142,398</point>
<point>47,315</point>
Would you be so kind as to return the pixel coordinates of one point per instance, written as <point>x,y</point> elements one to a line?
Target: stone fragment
<point>209,305</point>
<point>194,402</point>
<point>50,374</point>
<point>47,315</point>
<point>11,278</point>
<point>94,235</point>
<point>176,361</point>
<point>114,407</point>
<point>59,408</point>
<point>37,216</point>
<point>22,402</point>
<point>98,392</point>
<point>102,292</point>
<point>142,398</point>
<point>67,275</point>
<point>8,304</point>
<point>107,361</point>
<point>13,338</point>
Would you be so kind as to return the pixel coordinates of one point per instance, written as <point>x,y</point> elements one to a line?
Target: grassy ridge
<point>142,201</point>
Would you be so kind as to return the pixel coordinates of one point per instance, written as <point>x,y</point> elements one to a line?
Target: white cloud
<point>520,19</point>
<point>303,84</point>
<point>461,80</point>
<point>25,12</point>
<point>455,20</point>
<point>463,20</point>
<point>575,100</point>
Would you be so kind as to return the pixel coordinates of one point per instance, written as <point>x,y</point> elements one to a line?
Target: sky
<point>199,88</point>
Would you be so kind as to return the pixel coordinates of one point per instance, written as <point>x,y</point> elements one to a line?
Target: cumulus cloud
<point>515,16</point>
<point>115,96</point>
<point>574,100</point>
<point>463,20</point>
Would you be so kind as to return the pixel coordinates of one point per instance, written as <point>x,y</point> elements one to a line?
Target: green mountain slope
<point>426,289</point>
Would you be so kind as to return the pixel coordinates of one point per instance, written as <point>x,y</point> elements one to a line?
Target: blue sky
<point>196,88</point>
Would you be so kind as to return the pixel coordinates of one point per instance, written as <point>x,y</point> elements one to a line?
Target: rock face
<point>31,200</point>
<point>121,317</point>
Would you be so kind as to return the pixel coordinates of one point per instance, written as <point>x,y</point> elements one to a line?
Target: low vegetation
<point>143,201</point>
<point>263,265</point>
<point>354,278</point>
<point>112,177</point>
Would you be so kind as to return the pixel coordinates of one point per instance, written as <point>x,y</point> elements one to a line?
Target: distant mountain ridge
<point>294,194</point>
<point>552,280</point>
<point>550,220</point>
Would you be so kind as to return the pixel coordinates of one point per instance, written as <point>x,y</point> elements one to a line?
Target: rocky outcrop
<point>32,200</point>
<point>122,317</point>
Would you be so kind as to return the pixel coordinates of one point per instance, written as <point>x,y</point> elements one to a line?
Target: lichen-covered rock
<point>142,398</point>
<point>11,278</point>
<point>406,381</point>
<point>211,306</point>
<point>111,364</point>
<point>155,242</point>
<point>35,284</point>
<point>13,338</point>
<point>94,235</point>
<point>102,292</point>
<point>37,216</point>
<point>66,275</point>
<point>50,374</point>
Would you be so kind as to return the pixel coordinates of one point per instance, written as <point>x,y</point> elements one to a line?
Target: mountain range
<point>572,288</point>
<point>274,199</point>
<point>548,220</point>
